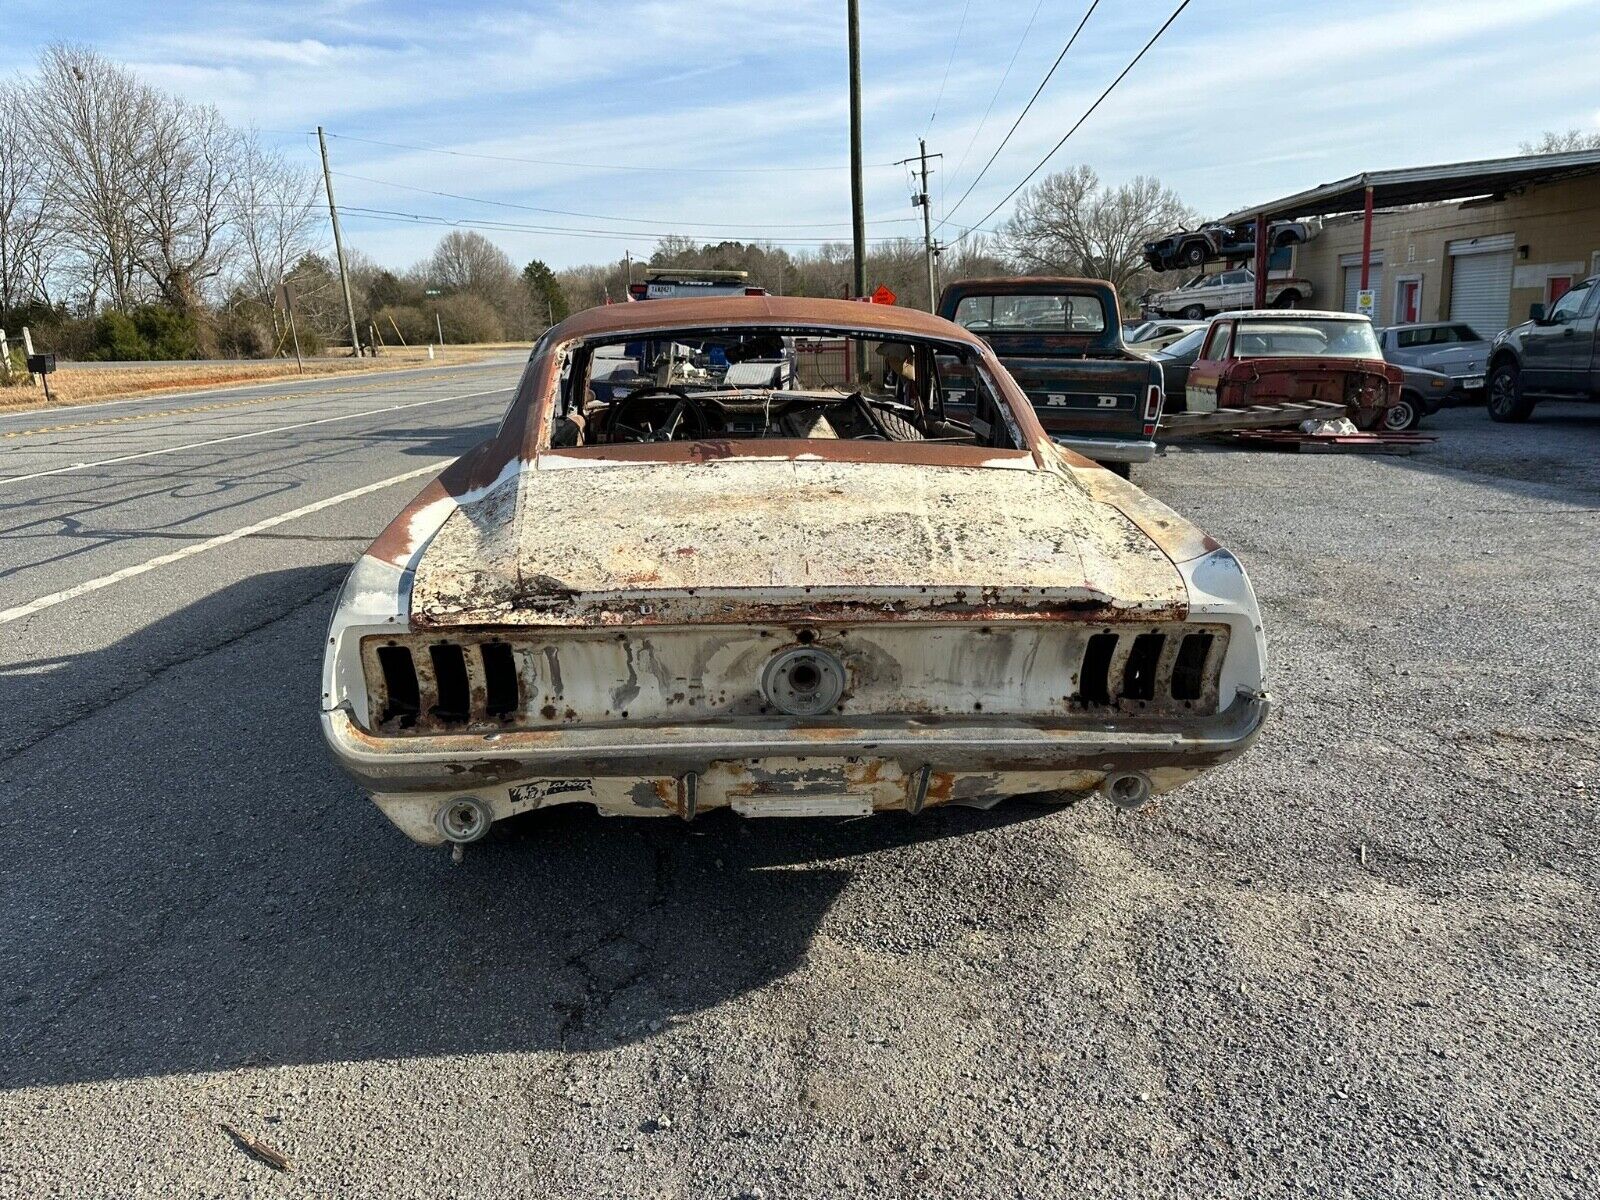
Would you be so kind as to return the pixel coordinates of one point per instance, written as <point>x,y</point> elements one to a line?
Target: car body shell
<point>1221,378</point>
<point>1206,295</point>
<point>599,624</point>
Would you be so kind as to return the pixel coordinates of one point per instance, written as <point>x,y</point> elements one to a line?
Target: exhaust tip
<point>463,819</point>
<point>1127,790</point>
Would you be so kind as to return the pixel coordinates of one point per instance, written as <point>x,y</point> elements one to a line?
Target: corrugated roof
<point>1426,185</point>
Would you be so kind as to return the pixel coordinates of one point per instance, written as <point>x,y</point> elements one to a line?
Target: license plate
<point>1472,381</point>
<point>803,806</point>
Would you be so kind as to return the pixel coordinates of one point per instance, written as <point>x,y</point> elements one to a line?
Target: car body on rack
<point>1206,295</point>
<point>788,602</point>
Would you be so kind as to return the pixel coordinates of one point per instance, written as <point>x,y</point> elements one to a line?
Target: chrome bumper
<point>1128,450</point>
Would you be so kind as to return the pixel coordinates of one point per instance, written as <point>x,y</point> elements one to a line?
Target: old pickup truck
<point>1061,339</point>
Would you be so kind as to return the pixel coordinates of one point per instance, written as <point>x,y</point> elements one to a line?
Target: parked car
<point>1267,356</point>
<point>1451,347</point>
<point>1205,295</point>
<point>1153,335</point>
<point>1175,360</point>
<point>788,602</point>
<point>1196,247</point>
<point>1552,354</point>
<point>1422,393</point>
<point>1060,339</point>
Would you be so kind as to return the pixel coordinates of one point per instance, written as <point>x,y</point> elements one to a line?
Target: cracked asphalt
<point>1360,962</point>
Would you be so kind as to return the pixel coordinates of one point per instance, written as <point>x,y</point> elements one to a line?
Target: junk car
<point>783,600</point>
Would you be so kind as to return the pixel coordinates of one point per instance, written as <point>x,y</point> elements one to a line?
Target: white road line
<point>235,437</point>
<point>222,539</point>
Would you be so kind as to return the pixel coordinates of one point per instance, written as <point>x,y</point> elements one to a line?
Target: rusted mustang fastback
<point>729,585</point>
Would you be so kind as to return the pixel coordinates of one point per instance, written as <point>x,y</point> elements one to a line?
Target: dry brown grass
<point>76,385</point>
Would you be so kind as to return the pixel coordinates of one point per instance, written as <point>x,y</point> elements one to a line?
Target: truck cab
<point>1061,339</point>
<point>1554,353</point>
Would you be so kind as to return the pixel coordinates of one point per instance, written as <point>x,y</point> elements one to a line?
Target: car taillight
<point>1152,410</point>
<point>638,290</point>
<point>755,291</point>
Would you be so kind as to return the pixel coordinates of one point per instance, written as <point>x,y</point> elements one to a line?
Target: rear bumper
<point>784,768</point>
<point>1128,450</point>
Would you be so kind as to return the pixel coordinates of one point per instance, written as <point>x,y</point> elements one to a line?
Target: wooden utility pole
<point>920,200</point>
<point>858,219</point>
<point>338,247</point>
<point>288,307</point>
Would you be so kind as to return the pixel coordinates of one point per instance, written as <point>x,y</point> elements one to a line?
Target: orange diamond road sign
<point>883,296</point>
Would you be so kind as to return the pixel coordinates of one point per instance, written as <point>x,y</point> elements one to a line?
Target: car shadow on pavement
<point>192,886</point>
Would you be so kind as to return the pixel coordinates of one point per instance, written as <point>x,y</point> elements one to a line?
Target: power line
<point>563,212</point>
<point>1093,4</point>
<point>962,24</point>
<point>962,161</point>
<point>553,162</point>
<point>1087,113</point>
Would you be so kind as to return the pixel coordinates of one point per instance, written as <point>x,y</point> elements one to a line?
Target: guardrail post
<point>5,356</point>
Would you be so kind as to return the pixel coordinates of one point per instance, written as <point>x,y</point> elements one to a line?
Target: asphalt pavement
<point>1361,961</point>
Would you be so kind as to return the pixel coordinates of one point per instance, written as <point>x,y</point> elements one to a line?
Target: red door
<point>1410,300</point>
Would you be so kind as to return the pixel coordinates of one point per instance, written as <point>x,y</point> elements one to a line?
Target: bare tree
<point>470,262</point>
<point>1551,142</point>
<point>181,199</point>
<point>88,116</point>
<point>1070,223</point>
<point>272,206</point>
<point>27,241</point>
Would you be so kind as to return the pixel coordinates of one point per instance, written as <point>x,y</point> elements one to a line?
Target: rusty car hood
<point>741,540</point>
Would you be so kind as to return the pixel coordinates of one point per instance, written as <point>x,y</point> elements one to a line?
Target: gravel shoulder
<point>1361,961</point>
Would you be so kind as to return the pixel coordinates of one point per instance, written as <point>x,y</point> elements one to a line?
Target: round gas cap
<point>803,681</point>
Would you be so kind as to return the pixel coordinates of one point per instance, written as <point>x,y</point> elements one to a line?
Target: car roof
<point>1288,314</point>
<point>791,311</point>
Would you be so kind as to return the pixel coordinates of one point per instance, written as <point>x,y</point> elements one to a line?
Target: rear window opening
<point>771,382</point>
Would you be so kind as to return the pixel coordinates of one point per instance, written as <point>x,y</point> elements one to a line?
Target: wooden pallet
<point>1333,443</point>
<point>1257,416</point>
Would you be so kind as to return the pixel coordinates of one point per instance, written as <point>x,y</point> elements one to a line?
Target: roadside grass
<point>77,385</point>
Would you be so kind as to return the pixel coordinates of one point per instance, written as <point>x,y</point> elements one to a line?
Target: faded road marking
<point>235,437</point>
<point>222,539</point>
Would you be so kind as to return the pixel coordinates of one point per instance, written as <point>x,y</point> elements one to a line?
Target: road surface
<point>1362,961</point>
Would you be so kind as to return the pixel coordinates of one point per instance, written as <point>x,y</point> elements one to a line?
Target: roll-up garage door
<point>1352,283</point>
<point>1480,283</point>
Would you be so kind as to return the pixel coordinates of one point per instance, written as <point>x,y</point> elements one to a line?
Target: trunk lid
<point>741,540</point>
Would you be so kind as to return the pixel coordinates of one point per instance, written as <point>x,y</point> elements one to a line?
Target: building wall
<point>1558,224</point>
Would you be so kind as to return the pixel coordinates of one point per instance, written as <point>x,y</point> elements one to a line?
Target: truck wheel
<point>1193,313</point>
<point>1194,254</point>
<point>1403,414</point>
<point>1506,401</point>
<point>1287,298</point>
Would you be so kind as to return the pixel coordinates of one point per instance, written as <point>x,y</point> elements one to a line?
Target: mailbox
<point>41,364</point>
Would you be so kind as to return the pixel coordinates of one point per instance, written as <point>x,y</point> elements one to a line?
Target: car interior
<point>756,382</point>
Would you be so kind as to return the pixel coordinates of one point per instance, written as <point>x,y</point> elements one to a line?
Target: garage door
<point>1480,284</point>
<point>1352,285</point>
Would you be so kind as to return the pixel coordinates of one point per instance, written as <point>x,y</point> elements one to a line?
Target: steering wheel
<point>645,415</point>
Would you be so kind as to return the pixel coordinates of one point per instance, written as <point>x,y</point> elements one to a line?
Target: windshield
<point>1188,344</point>
<point>1307,337</point>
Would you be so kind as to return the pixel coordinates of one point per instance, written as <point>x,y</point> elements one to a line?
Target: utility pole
<point>920,200</point>
<point>858,219</point>
<point>338,248</point>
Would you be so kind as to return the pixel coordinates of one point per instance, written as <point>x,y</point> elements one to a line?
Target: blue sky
<point>1241,101</point>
